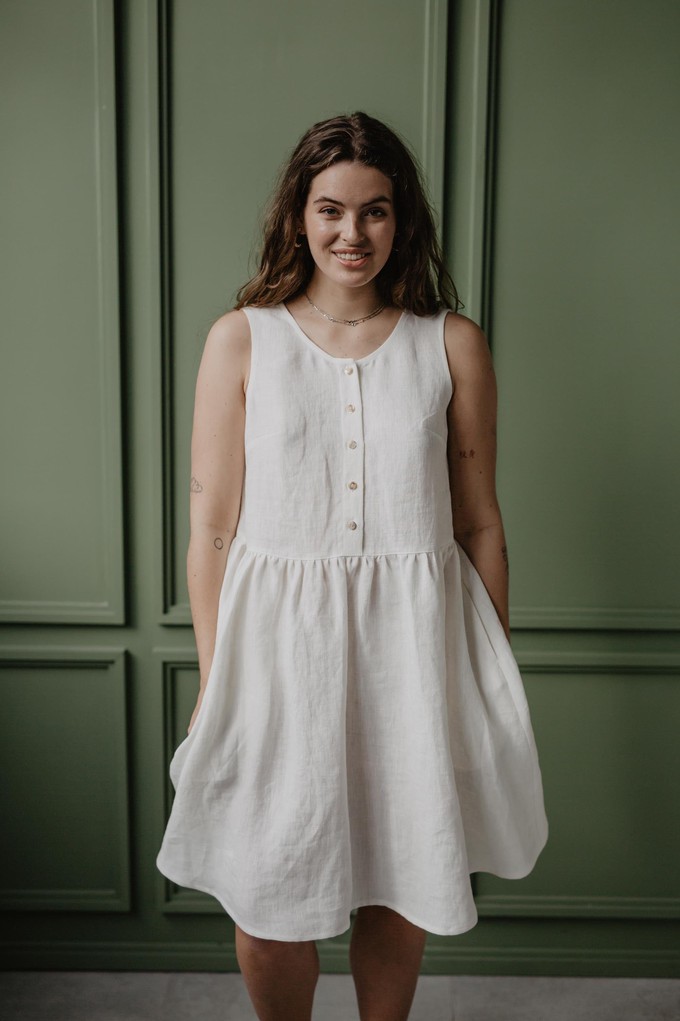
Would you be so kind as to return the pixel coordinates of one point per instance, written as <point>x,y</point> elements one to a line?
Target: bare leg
<point>280,976</point>
<point>385,954</point>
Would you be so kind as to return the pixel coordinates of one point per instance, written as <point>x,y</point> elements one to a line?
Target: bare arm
<point>217,473</point>
<point>471,451</point>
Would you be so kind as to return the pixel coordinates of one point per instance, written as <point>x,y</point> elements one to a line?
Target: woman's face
<point>350,223</point>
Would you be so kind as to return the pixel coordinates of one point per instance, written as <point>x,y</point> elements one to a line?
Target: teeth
<point>347,257</point>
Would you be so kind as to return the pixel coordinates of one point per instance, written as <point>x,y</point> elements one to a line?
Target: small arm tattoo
<point>218,543</point>
<point>196,486</point>
<point>466,453</point>
<point>504,554</point>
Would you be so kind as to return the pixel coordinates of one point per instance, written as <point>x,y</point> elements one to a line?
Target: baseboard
<point>437,960</point>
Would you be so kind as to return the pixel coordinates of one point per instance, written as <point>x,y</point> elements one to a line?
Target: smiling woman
<point>350,238</point>
<point>361,738</point>
<point>345,174</point>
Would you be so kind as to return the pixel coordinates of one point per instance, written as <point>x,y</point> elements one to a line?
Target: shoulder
<point>463,337</point>
<point>228,338</point>
<point>230,333</point>
<point>226,352</point>
<point>467,349</point>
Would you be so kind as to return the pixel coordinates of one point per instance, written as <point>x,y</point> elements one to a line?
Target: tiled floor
<point>201,996</point>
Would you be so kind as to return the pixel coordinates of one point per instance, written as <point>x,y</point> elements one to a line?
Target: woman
<point>361,738</point>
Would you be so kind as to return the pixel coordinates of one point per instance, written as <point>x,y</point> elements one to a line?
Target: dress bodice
<point>346,456</point>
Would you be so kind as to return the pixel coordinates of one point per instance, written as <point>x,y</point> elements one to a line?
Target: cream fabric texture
<point>364,736</point>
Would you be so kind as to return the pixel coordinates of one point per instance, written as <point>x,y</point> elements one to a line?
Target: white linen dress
<point>364,736</point>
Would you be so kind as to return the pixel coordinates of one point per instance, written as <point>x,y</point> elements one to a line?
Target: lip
<point>351,263</point>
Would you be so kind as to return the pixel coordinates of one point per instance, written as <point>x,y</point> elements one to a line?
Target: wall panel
<point>583,310</point>
<point>178,672</point>
<point>60,426</point>
<point>64,795</point>
<point>241,88</point>
<point>606,728</point>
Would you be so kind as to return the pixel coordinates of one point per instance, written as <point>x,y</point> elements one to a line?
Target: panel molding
<point>434,102</point>
<point>112,660</point>
<point>159,104</point>
<point>469,122</point>
<point>110,610</point>
<point>522,905</point>
<point>578,907</point>
<point>172,612</point>
<point>439,959</point>
<point>470,206</point>
<point>595,661</point>
<point>175,899</point>
<point>594,618</point>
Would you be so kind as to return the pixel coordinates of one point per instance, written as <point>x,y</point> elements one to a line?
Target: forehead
<point>350,182</point>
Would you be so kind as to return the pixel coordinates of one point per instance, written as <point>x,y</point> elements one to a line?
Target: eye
<point>377,210</point>
<point>331,210</point>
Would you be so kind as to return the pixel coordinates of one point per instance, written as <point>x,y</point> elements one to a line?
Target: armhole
<point>251,316</point>
<point>441,344</point>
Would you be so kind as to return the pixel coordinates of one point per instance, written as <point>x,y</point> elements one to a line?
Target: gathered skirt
<point>364,738</point>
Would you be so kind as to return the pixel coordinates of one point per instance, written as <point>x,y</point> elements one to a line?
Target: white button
<point>350,407</point>
<point>351,524</point>
<point>349,369</point>
<point>352,485</point>
<point>352,444</point>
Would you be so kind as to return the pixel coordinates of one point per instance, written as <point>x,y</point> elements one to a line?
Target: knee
<point>257,943</point>
<point>270,947</point>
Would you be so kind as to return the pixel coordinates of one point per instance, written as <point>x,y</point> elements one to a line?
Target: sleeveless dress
<point>364,736</point>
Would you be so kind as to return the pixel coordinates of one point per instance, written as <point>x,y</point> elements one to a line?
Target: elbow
<point>212,526</point>
<point>468,527</point>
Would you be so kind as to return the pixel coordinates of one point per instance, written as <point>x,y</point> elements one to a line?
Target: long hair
<point>414,277</point>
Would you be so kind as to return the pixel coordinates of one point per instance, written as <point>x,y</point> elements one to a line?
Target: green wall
<point>141,140</point>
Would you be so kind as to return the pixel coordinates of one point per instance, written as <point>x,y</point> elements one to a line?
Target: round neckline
<point>335,358</point>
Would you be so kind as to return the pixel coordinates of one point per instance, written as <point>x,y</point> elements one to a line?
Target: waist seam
<point>347,556</point>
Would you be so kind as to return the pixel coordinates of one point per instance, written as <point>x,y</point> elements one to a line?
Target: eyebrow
<point>335,202</point>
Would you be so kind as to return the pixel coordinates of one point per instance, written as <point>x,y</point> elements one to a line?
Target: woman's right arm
<point>217,473</point>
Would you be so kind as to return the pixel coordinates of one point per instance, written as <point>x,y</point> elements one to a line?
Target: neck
<point>344,302</point>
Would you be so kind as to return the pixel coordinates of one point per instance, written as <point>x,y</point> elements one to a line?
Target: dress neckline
<point>335,358</point>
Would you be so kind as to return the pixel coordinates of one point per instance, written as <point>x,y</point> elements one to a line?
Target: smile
<point>351,256</point>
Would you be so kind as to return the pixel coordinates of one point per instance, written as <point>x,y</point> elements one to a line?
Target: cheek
<point>384,233</point>
<point>320,233</point>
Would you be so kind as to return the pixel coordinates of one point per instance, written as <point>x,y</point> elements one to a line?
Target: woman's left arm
<point>471,453</point>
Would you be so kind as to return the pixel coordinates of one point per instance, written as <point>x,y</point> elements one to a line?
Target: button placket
<point>353,459</point>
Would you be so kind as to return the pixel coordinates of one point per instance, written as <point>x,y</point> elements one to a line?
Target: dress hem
<point>435,931</point>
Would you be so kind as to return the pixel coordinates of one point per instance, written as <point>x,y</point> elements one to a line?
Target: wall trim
<point>434,101</point>
<point>469,130</point>
<point>502,905</point>
<point>439,959</point>
<point>433,138</point>
<point>560,662</point>
<point>171,897</point>
<point>481,242</point>
<point>591,661</point>
<point>110,609</point>
<point>113,660</point>
<point>594,618</point>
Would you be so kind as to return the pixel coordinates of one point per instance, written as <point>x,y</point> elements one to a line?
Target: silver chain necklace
<point>345,322</point>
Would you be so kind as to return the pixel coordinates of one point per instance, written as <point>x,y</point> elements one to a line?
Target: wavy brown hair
<point>413,278</point>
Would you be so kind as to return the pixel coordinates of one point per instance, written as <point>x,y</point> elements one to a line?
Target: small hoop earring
<point>297,244</point>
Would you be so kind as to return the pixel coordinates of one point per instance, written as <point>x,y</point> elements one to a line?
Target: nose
<point>351,230</point>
